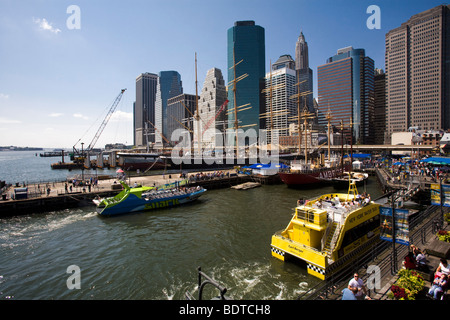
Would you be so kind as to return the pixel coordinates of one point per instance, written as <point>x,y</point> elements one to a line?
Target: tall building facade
<point>304,72</point>
<point>212,98</point>
<point>246,42</point>
<point>417,61</point>
<point>280,108</point>
<point>346,88</point>
<point>144,109</point>
<point>380,107</point>
<point>169,85</point>
<point>180,111</point>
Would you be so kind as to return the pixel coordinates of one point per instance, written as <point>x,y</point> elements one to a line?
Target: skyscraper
<point>212,98</point>
<point>418,72</point>
<point>280,108</point>
<point>246,42</point>
<point>304,73</point>
<point>169,85</point>
<point>380,107</point>
<point>346,89</point>
<point>179,114</point>
<point>144,108</point>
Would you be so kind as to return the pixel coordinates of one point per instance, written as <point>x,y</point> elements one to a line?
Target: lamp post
<point>394,249</point>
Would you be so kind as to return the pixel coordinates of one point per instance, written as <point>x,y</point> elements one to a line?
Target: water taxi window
<point>360,230</point>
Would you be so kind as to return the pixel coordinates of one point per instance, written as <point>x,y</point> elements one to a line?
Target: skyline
<point>57,84</point>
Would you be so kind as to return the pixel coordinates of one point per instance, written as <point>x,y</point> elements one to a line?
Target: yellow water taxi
<point>328,233</point>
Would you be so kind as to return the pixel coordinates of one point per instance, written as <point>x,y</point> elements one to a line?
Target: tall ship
<point>329,232</point>
<point>302,174</point>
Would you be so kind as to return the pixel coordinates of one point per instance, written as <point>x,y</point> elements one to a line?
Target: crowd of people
<point>416,260</point>
<point>405,170</point>
<point>199,176</point>
<point>335,202</point>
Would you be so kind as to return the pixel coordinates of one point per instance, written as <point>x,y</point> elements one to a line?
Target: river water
<point>151,255</point>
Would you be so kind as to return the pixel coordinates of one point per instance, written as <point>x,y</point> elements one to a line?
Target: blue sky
<point>56,83</point>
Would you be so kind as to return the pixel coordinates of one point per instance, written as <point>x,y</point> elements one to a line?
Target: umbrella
<point>119,171</point>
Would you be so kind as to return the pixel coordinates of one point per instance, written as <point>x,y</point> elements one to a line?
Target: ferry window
<point>360,230</point>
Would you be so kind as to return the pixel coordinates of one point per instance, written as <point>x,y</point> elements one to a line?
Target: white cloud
<point>121,115</point>
<point>9,121</point>
<point>55,115</point>
<point>45,25</point>
<point>79,115</point>
<point>4,96</point>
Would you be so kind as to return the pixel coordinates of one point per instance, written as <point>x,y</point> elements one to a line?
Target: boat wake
<point>250,281</point>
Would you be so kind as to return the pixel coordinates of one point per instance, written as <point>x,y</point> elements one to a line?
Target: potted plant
<point>443,235</point>
<point>408,285</point>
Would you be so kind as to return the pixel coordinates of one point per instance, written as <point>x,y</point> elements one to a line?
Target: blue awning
<point>359,155</point>
<point>437,160</point>
<point>268,166</point>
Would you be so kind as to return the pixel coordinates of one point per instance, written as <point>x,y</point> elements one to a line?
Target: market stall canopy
<point>267,166</point>
<point>359,155</point>
<point>437,160</point>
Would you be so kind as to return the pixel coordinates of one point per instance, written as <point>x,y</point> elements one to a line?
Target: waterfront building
<point>144,109</point>
<point>180,111</point>
<point>380,107</point>
<point>212,97</point>
<point>280,108</point>
<point>169,85</point>
<point>346,89</point>
<point>303,71</point>
<point>418,72</point>
<point>246,42</point>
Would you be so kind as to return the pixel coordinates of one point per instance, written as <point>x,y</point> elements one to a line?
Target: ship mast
<point>298,95</point>
<point>235,107</point>
<point>306,115</point>
<point>197,114</point>
<point>328,117</point>
<point>235,104</point>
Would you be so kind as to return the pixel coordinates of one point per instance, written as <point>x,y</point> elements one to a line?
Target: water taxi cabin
<point>329,232</point>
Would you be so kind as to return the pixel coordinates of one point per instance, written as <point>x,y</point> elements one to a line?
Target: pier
<point>46,197</point>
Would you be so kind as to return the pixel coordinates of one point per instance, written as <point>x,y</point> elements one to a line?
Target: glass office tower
<point>346,89</point>
<point>169,86</point>
<point>246,42</point>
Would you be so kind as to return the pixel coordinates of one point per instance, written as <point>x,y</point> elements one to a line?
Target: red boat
<point>302,175</point>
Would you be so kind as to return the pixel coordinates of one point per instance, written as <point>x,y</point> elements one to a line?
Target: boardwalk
<point>65,194</point>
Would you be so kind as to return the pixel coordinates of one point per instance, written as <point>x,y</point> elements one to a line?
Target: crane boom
<point>105,121</point>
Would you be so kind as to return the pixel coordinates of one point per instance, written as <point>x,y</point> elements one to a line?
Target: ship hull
<point>134,203</point>
<point>309,177</point>
<point>141,161</point>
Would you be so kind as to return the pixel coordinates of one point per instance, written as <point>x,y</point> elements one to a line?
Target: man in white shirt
<point>357,283</point>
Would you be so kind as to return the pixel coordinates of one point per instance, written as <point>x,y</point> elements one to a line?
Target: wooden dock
<point>58,198</point>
